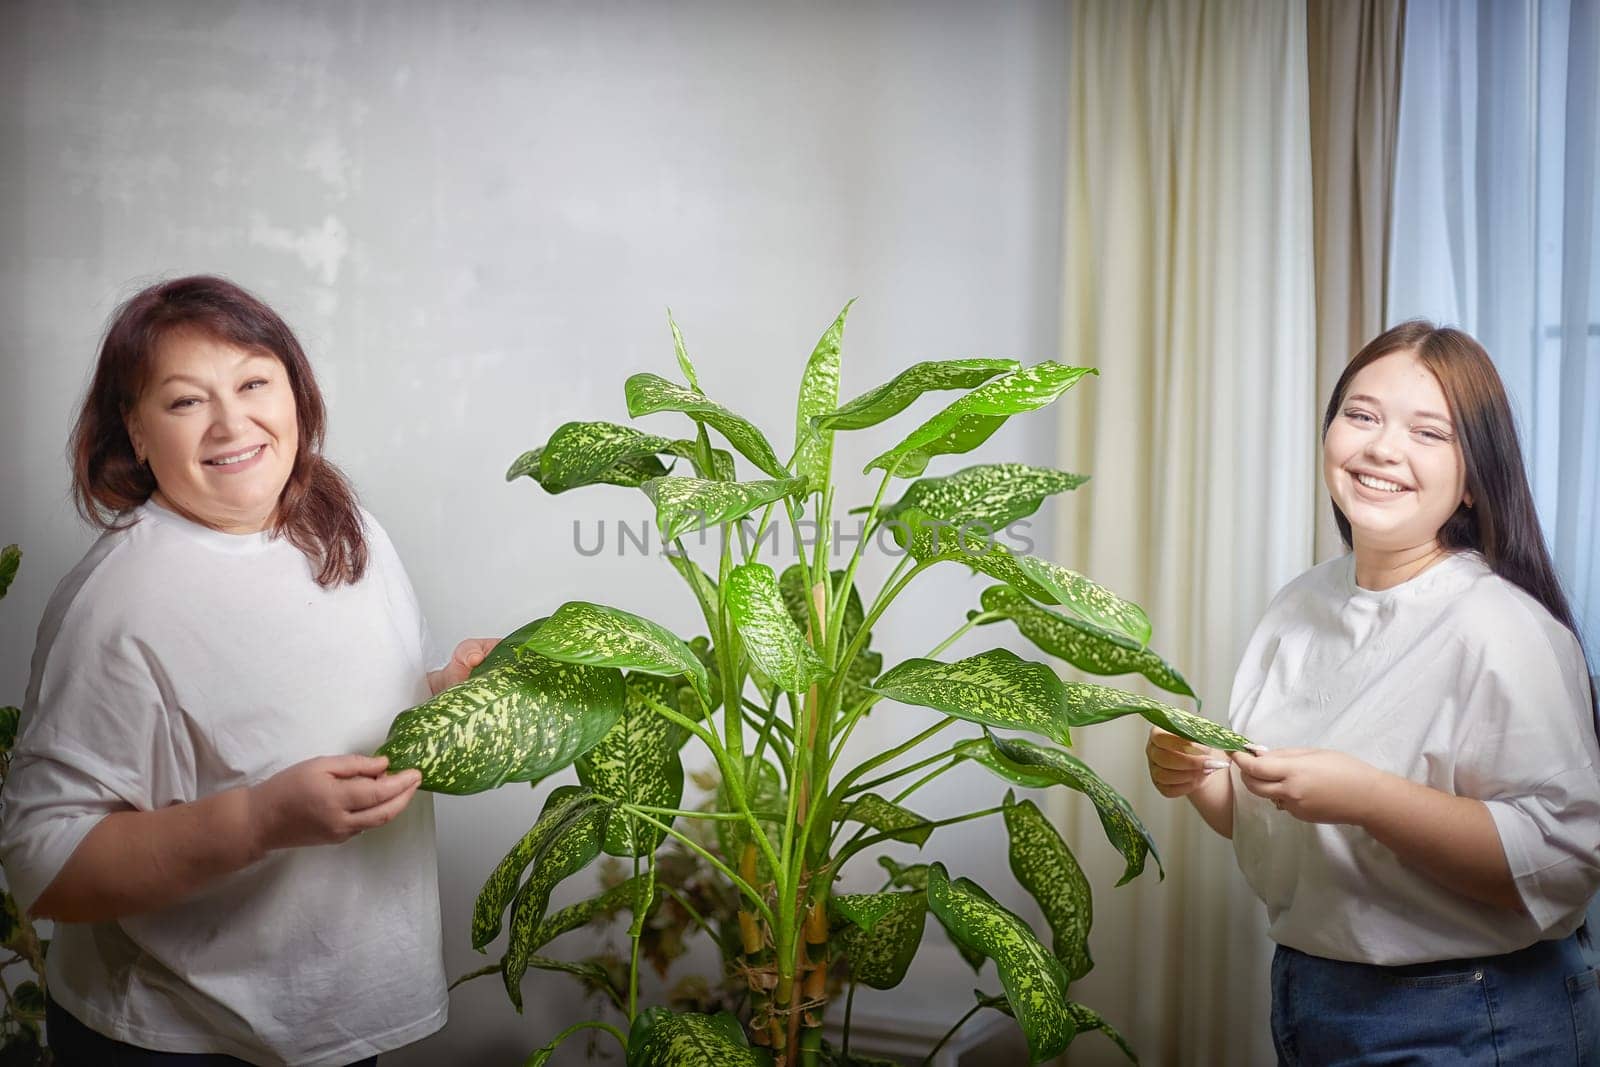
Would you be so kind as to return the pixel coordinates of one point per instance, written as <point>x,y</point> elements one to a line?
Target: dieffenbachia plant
<point>773,690</point>
<point>21,1041</point>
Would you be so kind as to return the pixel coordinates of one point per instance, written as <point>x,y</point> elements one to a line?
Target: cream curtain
<point>1353,52</point>
<point>1188,281</point>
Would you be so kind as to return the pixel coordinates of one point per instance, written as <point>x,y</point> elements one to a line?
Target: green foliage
<point>770,693</point>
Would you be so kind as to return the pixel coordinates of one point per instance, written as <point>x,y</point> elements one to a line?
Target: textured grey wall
<point>474,215</point>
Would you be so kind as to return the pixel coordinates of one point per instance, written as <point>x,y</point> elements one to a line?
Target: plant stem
<point>899,772</point>
<point>888,835</point>
<point>849,1005</point>
<point>836,625</point>
<point>694,913</point>
<point>948,1034</point>
<point>590,1024</point>
<point>743,886</point>
<point>481,972</point>
<point>635,931</point>
<point>884,757</point>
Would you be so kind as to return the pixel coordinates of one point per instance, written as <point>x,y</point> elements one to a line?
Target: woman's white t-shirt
<point>175,662</point>
<point>1456,679</point>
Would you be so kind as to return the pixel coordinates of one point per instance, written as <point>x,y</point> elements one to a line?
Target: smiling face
<point>217,425</point>
<point>1391,458</point>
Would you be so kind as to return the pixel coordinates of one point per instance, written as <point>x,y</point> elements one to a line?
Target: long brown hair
<point>317,510</point>
<point>1502,523</point>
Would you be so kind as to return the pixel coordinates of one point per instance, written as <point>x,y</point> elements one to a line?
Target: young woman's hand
<point>1312,784</point>
<point>468,654</point>
<point>326,800</point>
<point>1179,766</point>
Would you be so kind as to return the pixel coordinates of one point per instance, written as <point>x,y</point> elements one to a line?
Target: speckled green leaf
<point>873,811</point>
<point>515,722</point>
<point>630,472</point>
<point>682,353</point>
<point>792,586</point>
<point>931,540</point>
<point>507,648</point>
<point>987,497</point>
<point>638,762</point>
<point>973,418</point>
<point>10,719</point>
<point>770,636</point>
<point>575,916</point>
<point>1034,980</point>
<point>905,875</point>
<point>722,468</point>
<point>979,750</point>
<point>661,1038</point>
<point>1123,828</point>
<point>764,792</point>
<point>881,934</point>
<point>895,395</point>
<point>819,394</point>
<point>996,688</point>
<point>684,504</point>
<point>1083,644</point>
<point>1194,727</point>
<point>563,806</point>
<point>579,452</point>
<point>648,393</point>
<point>1087,1020</point>
<point>1046,868</point>
<point>570,847</point>
<point>581,632</point>
<point>10,560</point>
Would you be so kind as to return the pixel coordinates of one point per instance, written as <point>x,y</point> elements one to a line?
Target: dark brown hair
<point>317,510</point>
<point>1502,522</point>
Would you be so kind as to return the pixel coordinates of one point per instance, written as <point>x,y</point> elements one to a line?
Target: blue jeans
<point>1538,1006</point>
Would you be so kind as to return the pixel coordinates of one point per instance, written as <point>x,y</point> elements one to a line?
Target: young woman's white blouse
<point>175,662</point>
<point>1456,679</point>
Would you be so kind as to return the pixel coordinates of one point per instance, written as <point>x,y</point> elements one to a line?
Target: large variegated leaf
<point>1034,980</point>
<point>819,394</point>
<point>574,916</point>
<point>931,540</point>
<point>516,722</point>
<point>1046,868</point>
<point>1083,644</point>
<point>1194,727</point>
<point>579,452</point>
<point>973,418</point>
<point>581,632</point>
<point>630,472</point>
<point>570,847</point>
<point>987,497</point>
<point>881,934</point>
<point>1084,1019</point>
<point>905,875</point>
<point>684,504</point>
<point>638,762</point>
<point>564,806</point>
<point>661,1038</point>
<point>996,688</point>
<point>770,636</point>
<point>649,393</point>
<point>873,811</point>
<point>506,650</point>
<point>682,353</point>
<point>10,560</point>
<point>979,750</point>
<point>895,395</point>
<point>1122,826</point>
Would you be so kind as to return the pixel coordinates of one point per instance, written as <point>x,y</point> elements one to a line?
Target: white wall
<point>474,215</point>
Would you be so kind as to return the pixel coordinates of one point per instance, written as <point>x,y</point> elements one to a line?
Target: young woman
<point>1422,817</point>
<point>241,618</point>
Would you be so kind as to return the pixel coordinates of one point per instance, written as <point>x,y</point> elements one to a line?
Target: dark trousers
<point>75,1045</point>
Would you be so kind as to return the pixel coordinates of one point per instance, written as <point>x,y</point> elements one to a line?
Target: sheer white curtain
<point>1496,229</point>
<point>1188,282</point>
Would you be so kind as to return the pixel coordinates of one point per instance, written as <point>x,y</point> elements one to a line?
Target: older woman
<point>240,624</point>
